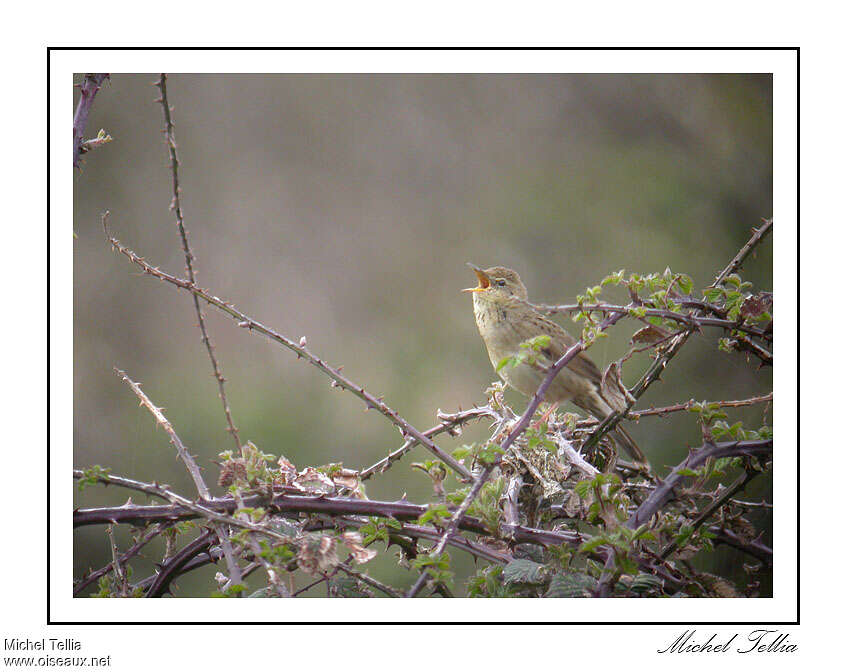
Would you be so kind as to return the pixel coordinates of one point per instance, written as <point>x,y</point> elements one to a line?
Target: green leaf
<point>462,452</point>
<point>713,294</point>
<point>646,583</point>
<point>613,278</point>
<point>685,532</point>
<point>522,570</point>
<point>505,362</point>
<point>489,453</point>
<point>91,476</point>
<point>231,591</point>
<point>593,543</point>
<point>435,513</point>
<point>584,488</point>
<point>571,585</point>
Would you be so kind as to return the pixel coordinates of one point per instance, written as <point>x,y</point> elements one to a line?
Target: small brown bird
<point>506,319</point>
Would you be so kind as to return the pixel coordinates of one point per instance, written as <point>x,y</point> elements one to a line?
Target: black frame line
<point>49,621</point>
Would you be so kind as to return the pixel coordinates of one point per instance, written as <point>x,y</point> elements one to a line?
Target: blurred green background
<point>343,208</point>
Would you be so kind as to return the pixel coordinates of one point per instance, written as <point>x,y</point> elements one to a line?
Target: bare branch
<point>664,410</point>
<point>176,442</point>
<point>757,237</point>
<point>120,574</point>
<point>176,206</point>
<point>334,373</point>
<point>171,569</point>
<point>448,424</point>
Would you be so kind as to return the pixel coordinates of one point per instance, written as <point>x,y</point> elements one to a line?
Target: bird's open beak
<point>484,281</point>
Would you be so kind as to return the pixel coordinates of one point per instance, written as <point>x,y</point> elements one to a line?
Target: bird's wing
<point>560,342</point>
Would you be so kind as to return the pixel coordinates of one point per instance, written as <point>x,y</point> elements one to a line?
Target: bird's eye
<point>501,282</point>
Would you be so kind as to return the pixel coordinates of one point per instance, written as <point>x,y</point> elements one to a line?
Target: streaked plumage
<point>505,320</point>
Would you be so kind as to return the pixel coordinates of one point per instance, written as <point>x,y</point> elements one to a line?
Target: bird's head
<point>497,284</point>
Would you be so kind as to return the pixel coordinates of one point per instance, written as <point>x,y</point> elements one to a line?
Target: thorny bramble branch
<point>88,90</point>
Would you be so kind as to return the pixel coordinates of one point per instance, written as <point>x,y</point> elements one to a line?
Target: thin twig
<point>176,207</point>
<point>684,406</point>
<point>364,578</point>
<point>130,553</point>
<point>689,320</point>
<point>754,548</point>
<point>757,237</point>
<point>176,442</point>
<point>739,484</point>
<point>448,424</point>
<point>765,398</point>
<point>334,373</point>
<point>120,575</point>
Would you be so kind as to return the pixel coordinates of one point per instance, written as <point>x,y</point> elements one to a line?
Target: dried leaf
<point>313,481</point>
<point>756,304</point>
<point>353,541</point>
<point>576,507</point>
<point>317,554</point>
<point>719,586</point>
<point>348,478</point>
<point>743,528</point>
<point>612,387</point>
<point>232,471</point>
<point>649,334</point>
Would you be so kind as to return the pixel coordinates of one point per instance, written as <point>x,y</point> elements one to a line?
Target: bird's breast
<point>497,331</point>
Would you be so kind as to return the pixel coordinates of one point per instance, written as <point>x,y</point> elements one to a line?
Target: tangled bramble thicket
<point>545,504</point>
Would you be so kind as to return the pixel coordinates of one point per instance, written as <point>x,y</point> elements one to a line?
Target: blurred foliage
<point>344,208</point>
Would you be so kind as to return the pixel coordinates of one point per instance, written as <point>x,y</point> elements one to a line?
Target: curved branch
<point>173,567</point>
<point>660,496</point>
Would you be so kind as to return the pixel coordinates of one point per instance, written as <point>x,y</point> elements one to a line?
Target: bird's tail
<point>600,408</point>
<point>625,441</point>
